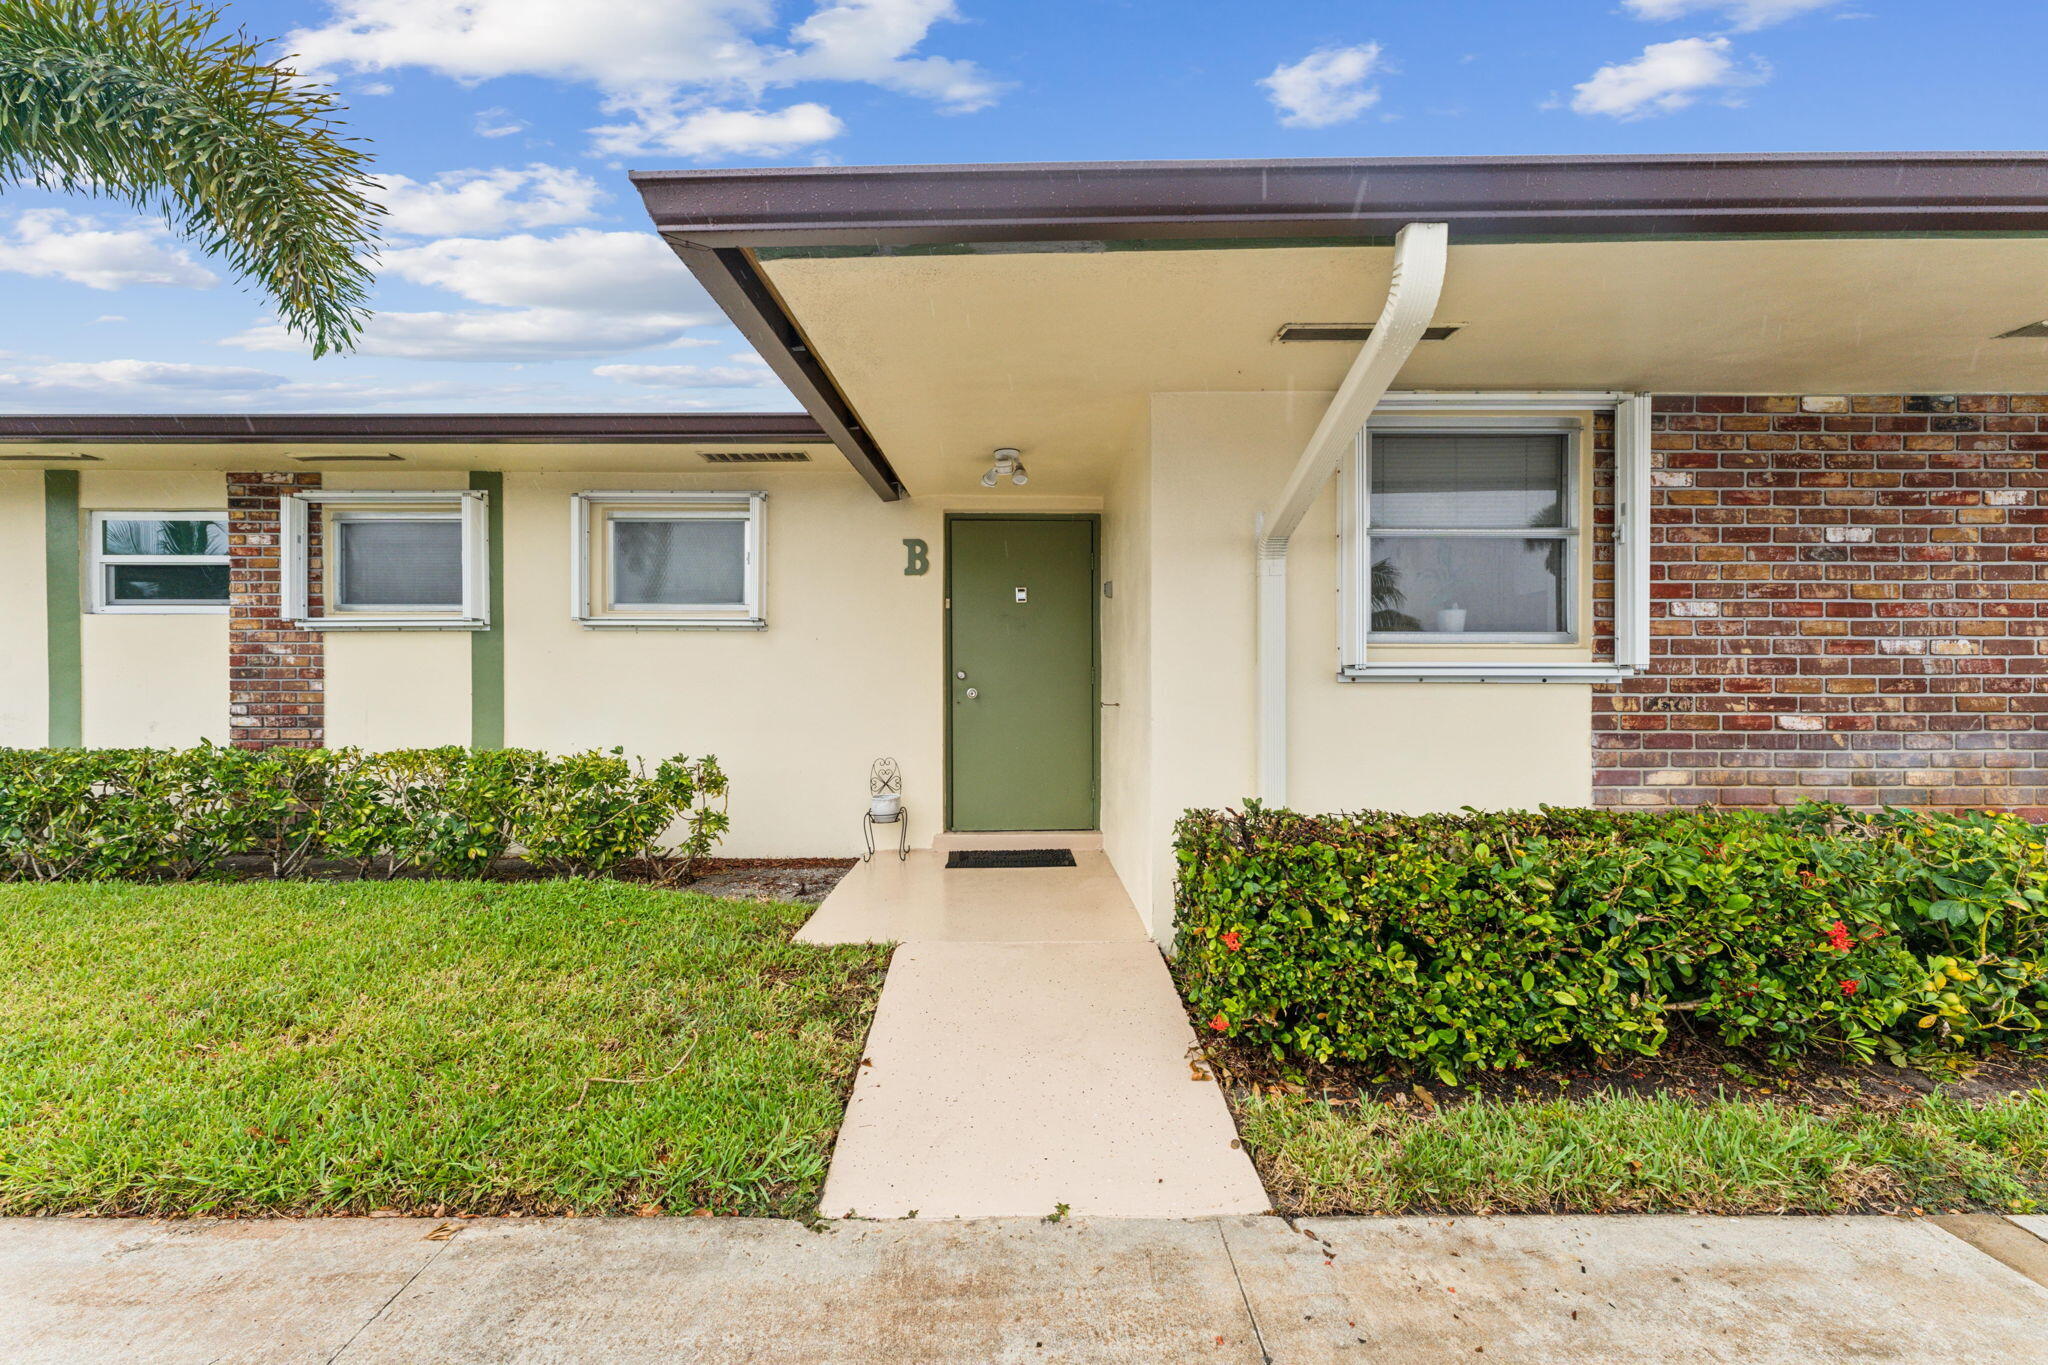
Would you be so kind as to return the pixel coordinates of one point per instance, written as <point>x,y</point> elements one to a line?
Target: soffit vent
<point>756,457</point>
<point>50,459</point>
<point>1353,331</point>
<point>347,459</point>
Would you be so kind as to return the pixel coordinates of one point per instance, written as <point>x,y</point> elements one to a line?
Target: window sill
<point>390,623</point>
<point>670,623</point>
<point>1487,673</point>
<point>106,610</point>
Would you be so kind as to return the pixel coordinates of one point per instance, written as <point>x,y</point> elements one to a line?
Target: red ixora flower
<point>1233,940</point>
<point>1850,987</point>
<point>1219,1023</point>
<point>1838,936</point>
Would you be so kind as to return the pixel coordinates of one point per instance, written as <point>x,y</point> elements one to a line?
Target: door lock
<point>972,694</point>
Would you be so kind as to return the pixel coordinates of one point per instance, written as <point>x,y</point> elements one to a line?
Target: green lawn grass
<point>1635,1155</point>
<point>429,1047</point>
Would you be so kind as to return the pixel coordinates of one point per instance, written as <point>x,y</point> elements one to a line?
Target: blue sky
<point>519,272</point>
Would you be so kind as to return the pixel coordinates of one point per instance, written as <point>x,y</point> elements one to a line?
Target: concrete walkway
<point>1029,1052</point>
<point>1240,1290</point>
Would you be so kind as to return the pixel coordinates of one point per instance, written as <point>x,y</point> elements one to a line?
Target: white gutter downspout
<point>1421,252</point>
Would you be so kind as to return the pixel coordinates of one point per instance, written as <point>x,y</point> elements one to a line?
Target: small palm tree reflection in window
<point>1387,598</point>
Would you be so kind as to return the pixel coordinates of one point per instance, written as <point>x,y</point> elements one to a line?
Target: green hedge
<point>168,814</point>
<point>1455,943</point>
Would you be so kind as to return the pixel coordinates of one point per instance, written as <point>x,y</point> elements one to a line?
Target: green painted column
<point>61,588</point>
<point>487,647</point>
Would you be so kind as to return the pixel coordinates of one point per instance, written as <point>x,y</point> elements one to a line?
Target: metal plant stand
<point>885,789</point>
<point>901,819</point>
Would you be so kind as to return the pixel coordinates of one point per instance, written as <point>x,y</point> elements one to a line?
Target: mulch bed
<point>1689,1067</point>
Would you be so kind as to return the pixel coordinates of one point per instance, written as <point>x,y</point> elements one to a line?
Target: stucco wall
<point>1217,458</point>
<point>146,679</point>
<point>850,667</point>
<point>398,689</point>
<point>1127,675</point>
<point>24,691</point>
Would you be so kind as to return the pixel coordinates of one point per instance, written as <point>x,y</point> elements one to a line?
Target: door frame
<point>1094,521</point>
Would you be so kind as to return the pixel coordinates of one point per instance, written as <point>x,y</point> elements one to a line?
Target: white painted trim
<point>1632,459</point>
<point>1486,672</point>
<point>97,561</point>
<point>1412,410</point>
<point>1421,254</point>
<point>749,615</point>
<point>472,505</point>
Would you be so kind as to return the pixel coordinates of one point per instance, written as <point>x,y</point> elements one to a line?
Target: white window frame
<point>298,512</point>
<point>601,507</point>
<point>1359,660</point>
<point>100,600</point>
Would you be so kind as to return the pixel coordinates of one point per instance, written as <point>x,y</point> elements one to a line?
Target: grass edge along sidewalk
<point>427,1047</point>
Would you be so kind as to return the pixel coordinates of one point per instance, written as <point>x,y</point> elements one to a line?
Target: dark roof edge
<point>419,428</point>
<point>1566,196</point>
<point>729,276</point>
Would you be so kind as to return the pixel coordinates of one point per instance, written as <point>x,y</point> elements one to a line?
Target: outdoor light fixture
<point>1007,466</point>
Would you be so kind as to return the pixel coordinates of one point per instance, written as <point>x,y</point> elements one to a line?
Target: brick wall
<point>275,676</point>
<point>1848,605</point>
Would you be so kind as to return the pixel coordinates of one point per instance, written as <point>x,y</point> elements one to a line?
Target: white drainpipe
<point>1420,254</point>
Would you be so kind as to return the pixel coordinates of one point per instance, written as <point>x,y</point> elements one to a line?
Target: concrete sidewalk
<point>1112,1290</point>
<point>1029,1053</point>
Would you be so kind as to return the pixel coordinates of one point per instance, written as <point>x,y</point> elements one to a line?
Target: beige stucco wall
<point>1216,459</point>
<point>397,689</point>
<point>24,679</point>
<point>1127,674</point>
<point>159,681</point>
<point>849,668</point>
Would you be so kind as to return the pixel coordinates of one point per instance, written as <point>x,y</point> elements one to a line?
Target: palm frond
<point>152,104</point>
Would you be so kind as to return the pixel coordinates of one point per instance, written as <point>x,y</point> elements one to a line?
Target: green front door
<point>1021,672</point>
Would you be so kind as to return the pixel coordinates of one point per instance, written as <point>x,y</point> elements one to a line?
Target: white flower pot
<point>886,806</point>
<point>1451,620</point>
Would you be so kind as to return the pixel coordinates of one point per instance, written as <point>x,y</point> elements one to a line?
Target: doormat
<point>1010,857</point>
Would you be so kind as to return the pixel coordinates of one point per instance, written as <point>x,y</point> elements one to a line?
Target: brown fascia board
<point>1480,197</point>
<point>717,219</point>
<point>421,428</point>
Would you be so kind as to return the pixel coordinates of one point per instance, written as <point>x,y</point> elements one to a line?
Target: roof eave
<point>424,428</point>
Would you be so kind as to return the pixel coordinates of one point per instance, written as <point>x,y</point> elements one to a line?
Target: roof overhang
<point>626,442</point>
<point>412,428</point>
<point>752,236</point>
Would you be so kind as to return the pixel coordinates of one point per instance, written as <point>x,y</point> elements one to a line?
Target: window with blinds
<point>1471,534</point>
<point>387,560</point>
<point>397,561</point>
<point>688,560</point>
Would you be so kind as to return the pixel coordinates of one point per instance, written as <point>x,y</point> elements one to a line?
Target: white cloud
<point>742,376</point>
<point>704,133</point>
<point>582,268</point>
<point>1326,87</point>
<point>494,334</point>
<point>156,374</point>
<point>581,293</point>
<point>471,201</point>
<point>57,244</point>
<point>1745,16</point>
<point>373,88</point>
<point>1666,78</point>
<point>498,123</point>
<point>158,386</point>
<point>661,63</point>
